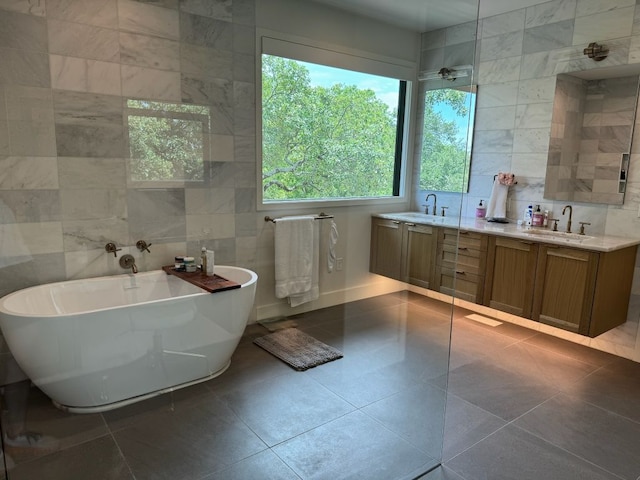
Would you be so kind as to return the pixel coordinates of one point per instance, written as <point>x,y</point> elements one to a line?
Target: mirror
<point>447,131</point>
<point>591,132</point>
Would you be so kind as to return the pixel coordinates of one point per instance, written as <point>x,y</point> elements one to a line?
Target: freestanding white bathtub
<point>97,344</point>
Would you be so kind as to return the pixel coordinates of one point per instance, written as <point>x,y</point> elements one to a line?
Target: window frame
<point>306,50</point>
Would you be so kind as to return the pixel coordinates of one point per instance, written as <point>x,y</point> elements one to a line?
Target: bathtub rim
<point>253,278</point>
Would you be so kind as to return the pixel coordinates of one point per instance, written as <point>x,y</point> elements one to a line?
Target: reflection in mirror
<point>446,139</point>
<point>591,133</point>
<point>167,141</point>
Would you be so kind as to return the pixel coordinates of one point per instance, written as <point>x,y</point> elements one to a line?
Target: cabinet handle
<point>460,272</point>
<point>411,224</point>
<point>463,248</point>
<point>526,243</point>
<point>463,233</point>
<point>395,221</point>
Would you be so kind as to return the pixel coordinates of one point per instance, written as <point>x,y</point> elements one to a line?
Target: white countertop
<point>599,243</point>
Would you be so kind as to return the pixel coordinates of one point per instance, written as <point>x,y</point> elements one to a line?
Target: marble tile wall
<point>68,69</point>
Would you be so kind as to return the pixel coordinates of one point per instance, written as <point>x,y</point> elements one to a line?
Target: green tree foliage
<point>444,157</point>
<point>319,142</point>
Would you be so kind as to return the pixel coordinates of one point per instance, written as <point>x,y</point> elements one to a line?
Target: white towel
<point>295,247</point>
<point>497,205</point>
<point>314,292</point>
<point>333,239</point>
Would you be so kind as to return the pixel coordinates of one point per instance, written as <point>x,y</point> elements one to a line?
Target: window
<point>168,142</point>
<point>329,132</point>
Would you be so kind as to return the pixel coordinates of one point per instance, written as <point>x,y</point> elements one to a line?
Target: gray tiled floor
<point>520,405</point>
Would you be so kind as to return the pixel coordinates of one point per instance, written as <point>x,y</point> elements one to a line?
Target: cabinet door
<point>386,247</point>
<point>419,254</point>
<point>565,284</point>
<point>511,269</point>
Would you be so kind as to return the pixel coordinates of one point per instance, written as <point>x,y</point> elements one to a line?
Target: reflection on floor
<point>520,405</point>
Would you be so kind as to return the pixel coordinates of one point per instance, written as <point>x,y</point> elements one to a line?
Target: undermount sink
<point>562,236</point>
<point>424,217</point>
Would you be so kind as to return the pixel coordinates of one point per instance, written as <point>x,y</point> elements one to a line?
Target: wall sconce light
<point>596,52</point>
<point>447,73</point>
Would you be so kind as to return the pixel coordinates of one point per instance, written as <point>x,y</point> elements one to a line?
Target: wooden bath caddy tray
<point>213,284</point>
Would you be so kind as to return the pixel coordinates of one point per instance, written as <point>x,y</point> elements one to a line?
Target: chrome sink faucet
<point>426,207</point>
<point>570,214</point>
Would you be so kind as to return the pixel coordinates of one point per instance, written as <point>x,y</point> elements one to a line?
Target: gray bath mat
<point>298,349</point>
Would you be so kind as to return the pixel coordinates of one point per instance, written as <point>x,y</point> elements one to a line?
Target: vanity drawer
<point>471,240</point>
<point>469,260</point>
<point>460,283</point>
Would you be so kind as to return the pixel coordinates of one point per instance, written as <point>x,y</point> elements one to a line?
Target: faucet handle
<point>582,224</point>
<point>142,246</point>
<point>443,209</point>
<point>426,208</point>
<point>111,248</point>
<point>555,223</point>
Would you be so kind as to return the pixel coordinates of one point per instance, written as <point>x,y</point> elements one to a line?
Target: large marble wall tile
<point>495,118</point>
<point>218,9</point>
<point>432,60</point>
<point>94,234</point>
<point>531,140</point>
<point>536,90</point>
<point>246,251</point>
<point>94,204</point>
<point>493,141</point>
<point>488,164</point>
<point>215,92</point>
<point>32,206</point>
<point>244,12</point>
<point>501,46</point>
<point>244,108</point>
<point>93,263</point>
<point>168,230</point>
<point>91,173</point>
<point>209,200</point>
<point>636,22</point>
<point>609,25</point>
<point>30,121</point>
<point>460,54</point>
<point>26,32</point>
<point>84,41</point>
<point>29,173</point>
<point>138,82</point>
<point>37,270</point>
<point>245,200</point>
<point>245,176</point>
<point>88,124</point>
<point>222,148</point>
<point>155,204</point>
<point>591,7</point>
<point>82,75</point>
<point>152,52</point>
<point>223,174</point>
<point>244,67</point>
<point>548,37</point>
<point>32,7</point>
<point>101,13</point>
<point>200,227</point>
<point>528,164</point>
<point>244,39</point>
<point>534,115</point>
<point>138,17</point>
<point>244,149</point>
<point>206,32</point>
<point>246,225</point>
<point>497,95</point>
<point>504,23</point>
<point>541,64</point>
<point>465,32</point>
<point>24,67</point>
<point>207,62</point>
<point>499,71</point>
<point>42,237</point>
<point>4,125</point>
<point>550,12</point>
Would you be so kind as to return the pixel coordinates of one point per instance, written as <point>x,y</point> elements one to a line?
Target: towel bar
<point>321,216</point>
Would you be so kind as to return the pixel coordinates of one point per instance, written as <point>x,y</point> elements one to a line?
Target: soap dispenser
<point>481,210</point>
<point>538,217</point>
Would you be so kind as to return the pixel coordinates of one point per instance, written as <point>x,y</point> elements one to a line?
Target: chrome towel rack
<point>320,216</point>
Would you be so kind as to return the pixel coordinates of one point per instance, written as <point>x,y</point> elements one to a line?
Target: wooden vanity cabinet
<point>511,270</point>
<point>460,264</point>
<point>404,251</point>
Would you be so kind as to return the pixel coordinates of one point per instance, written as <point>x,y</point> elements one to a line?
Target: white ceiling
<point>427,15</point>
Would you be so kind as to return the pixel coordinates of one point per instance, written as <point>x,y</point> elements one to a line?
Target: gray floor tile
<point>277,410</point>
<point>590,432</point>
<point>264,465</point>
<point>570,349</point>
<point>189,443</point>
<point>441,472</point>
<point>512,453</point>
<point>353,446</point>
